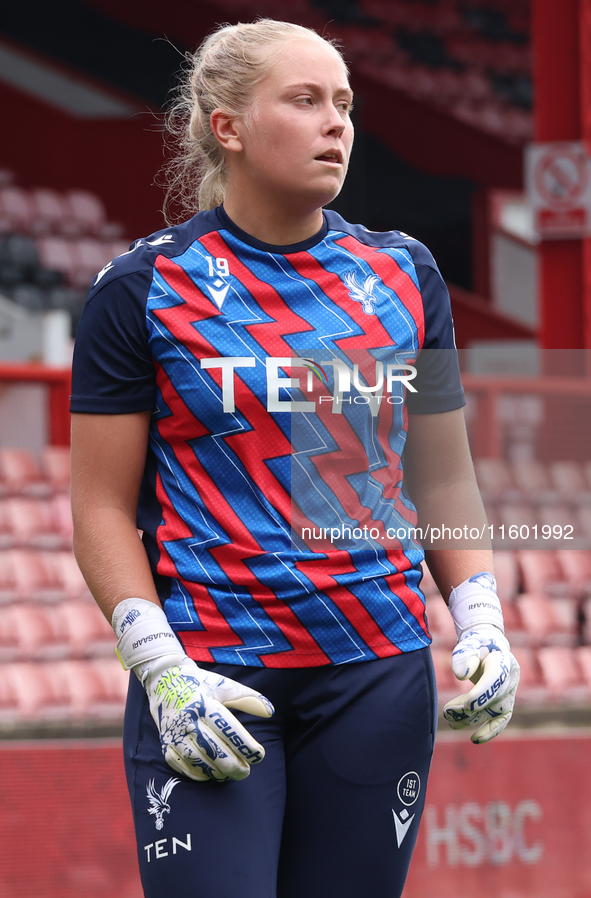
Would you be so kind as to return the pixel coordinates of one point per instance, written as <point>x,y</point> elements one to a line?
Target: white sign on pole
<point>558,185</point>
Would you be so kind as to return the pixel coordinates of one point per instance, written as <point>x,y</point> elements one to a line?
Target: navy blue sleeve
<point>438,383</point>
<point>113,372</point>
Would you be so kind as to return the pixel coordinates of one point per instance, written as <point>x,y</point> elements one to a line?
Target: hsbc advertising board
<point>511,819</point>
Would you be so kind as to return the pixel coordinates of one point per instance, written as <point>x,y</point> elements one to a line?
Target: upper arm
<point>437,452</point>
<point>108,458</point>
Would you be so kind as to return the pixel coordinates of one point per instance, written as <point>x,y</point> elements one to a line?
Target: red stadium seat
<point>547,621</point>
<point>69,576</point>
<point>532,690</point>
<point>93,255</point>
<point>9,642</point>
<point>542,572</point>
<point>562,675</point>
<point>61,511</point>
<point>6,531</point>
<point>520,515</point>
<point>559,516</point>
<point>16,209</point>
<point>8,581</point>
<point>20,475</point>
<point>51,212</point>
<point>38,693</point>
<point>87,211</point>
<point>95,689</point>
<point>582,522</point>
<point>532,478</point>
<point>495,480</point>
<point>55,467</point>
<point>568,479</point>
<point>586,609</point>
<point>576,568</point>
<point>33,523</point>
<point>111,700</point>
<point>506,573</point>
<point>87,631</point>
<point>38,633</point>
<point>583,656</point>
<point>9,703</point>
<point>514,628</point>
<point>59,253</point>
<point>36,575</point>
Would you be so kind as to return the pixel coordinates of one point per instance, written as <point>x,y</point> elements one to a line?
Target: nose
<point>335,125</point>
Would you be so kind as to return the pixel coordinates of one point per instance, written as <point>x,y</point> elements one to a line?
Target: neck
<point>271,222</point>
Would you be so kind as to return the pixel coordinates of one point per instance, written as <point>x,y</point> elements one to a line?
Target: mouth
<point>333,157</point>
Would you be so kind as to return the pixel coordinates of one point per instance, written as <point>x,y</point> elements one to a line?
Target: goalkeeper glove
<point>199,736</point>
<point>482,655</point>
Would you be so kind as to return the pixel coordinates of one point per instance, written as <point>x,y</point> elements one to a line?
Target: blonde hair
<point>221,74</point>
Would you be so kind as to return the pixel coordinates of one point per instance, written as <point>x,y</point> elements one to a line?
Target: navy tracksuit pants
<point>331,812</point>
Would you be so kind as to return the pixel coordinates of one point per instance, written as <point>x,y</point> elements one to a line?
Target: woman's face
<point>297,140</point>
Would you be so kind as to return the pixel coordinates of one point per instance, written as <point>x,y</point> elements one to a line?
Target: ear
<point>226,130</point>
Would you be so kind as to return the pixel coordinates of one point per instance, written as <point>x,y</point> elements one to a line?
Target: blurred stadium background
<point>448,95</point>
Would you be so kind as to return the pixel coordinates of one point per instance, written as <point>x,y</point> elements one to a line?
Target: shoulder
<point>141,256</point>
<point>417,251</point>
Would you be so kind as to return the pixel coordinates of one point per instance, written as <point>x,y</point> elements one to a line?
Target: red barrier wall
<point>508,820</point>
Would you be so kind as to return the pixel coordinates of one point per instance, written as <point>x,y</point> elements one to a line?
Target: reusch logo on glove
<point>231,734</point>
<point>490,693</point>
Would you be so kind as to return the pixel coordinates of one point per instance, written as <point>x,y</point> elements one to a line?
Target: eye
<point>344,106</point>
<point>306,101</point>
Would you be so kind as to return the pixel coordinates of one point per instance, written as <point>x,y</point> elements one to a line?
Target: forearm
<point>108,458</point>
<point>112,558</point>
<point>463,546</point>
<point>439,478</point>
<point>450,567</point>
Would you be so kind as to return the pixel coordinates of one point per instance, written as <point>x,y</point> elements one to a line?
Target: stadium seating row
<point>43,210</point>
<point>472,60</point>
<point>78,259</point>
<point>512,482</point>
<point>566,572</point>
<point>71,629</point>
<point>62,692</point>
<point>30,575</point>
<point>52,260</point>
<point>36,523</point>
<point>94,689</point>
<point>531,619</point>
<point>22,475</point>
<point>550,676</point>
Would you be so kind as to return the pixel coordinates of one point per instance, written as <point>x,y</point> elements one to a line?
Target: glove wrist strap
<point>144,634</point>
<point>475,602</point>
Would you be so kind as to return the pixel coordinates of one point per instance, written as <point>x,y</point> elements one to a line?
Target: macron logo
<point>218,295</point>
<point>160,241</point>
<point>403,825</point>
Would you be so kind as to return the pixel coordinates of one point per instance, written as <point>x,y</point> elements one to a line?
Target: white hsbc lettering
<point>159,849</point>
<point>476,834</point>
<point>343,377</point>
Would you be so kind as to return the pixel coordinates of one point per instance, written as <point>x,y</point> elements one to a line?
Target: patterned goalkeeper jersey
<point>279,379</point>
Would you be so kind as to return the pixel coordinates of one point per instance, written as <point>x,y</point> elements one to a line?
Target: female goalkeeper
<point>271,394</point>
